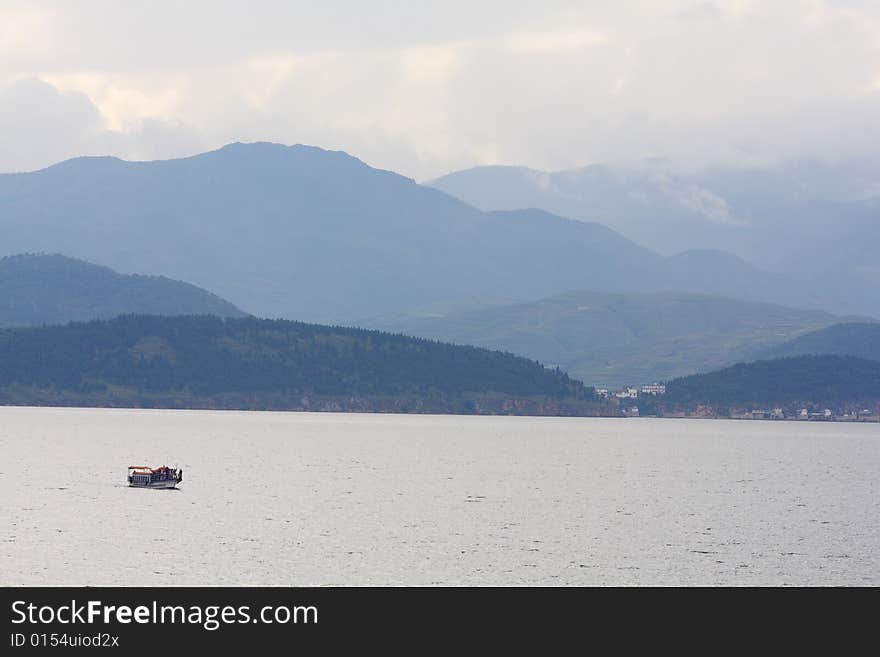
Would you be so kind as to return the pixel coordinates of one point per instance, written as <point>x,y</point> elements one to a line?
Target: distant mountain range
<point>249,363</point>
<point>838,382</point>
<point>617,339</point>
<point>604,339</point>
<point>184,354</point>
<point>304,233</point>
<point>850,339</point>
<point>54,289</point>
<point>815,222</point>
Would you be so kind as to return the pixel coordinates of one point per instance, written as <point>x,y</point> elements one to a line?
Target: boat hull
<point>168,483</point>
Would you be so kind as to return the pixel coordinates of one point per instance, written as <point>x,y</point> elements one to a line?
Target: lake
<point>369,499</point>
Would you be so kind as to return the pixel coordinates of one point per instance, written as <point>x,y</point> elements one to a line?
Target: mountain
<point>249,363</point>
<point>817,223</point>
<point>316,235</point>
<point>799,381</point>
<point>54,289</point>
<point>851,339</point>
<point>643,205</point>
<point>617,339</point>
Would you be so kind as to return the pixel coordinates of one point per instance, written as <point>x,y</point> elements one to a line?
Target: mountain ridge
<point>319,235</point>
<point>814,222</point>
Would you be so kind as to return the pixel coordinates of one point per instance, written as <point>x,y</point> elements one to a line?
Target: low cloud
<point>25,31</point>
<point>537,43</point>
<point>423,88</point>
<point>41,124</point>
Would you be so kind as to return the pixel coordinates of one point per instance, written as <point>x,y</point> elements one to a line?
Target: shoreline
<point>429,413</point>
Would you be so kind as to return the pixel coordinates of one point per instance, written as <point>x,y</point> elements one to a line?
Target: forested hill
<point>851,339</point>
<point>38,289</point>
<point>802,380</point>
<point>249,363</point>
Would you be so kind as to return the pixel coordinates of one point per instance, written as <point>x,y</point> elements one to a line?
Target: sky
<point>425,87</point>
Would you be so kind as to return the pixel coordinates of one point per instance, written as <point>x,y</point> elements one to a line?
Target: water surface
<point>350,499</point>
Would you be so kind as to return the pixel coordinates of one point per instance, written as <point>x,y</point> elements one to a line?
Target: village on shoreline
<point>647,401</point>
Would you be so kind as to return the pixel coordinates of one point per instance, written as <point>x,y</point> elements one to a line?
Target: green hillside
<point>799,380</point>
<point>208,362</point>
<point>54,289</point>
<point>617,339</point>
<point>853,339</point>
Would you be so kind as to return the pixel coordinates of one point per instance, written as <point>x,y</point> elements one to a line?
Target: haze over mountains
<point>299,232</point>
<point>816,222</point>
<point>312,235</point>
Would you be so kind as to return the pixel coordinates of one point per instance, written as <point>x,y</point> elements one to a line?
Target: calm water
<point>315,499</point>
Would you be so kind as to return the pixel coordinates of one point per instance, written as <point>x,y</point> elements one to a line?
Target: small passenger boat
<point>143,476</point>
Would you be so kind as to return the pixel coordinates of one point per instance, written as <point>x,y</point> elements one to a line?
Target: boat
<point>143,476</point>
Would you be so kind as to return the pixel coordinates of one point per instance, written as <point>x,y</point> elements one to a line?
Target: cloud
<point>25,30</point>
<point>41,124</point>
<point>423,88</point>
<point>556,41</point>
<point>701,201</point>
<point>700,11</point>
<point>125,101</point>
<point>265,75</point>
<point>430,64</point>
